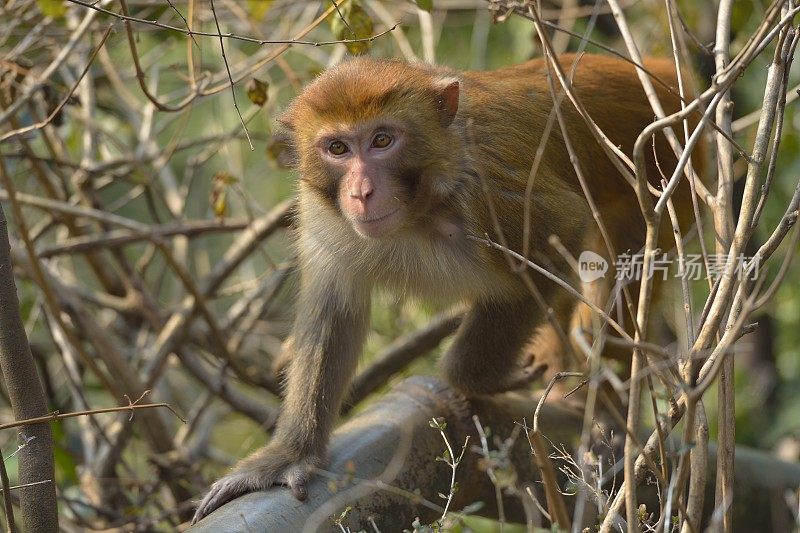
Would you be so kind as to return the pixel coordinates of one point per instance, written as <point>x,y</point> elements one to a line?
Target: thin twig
<point>55,415</point>
<point>451,460</point>
<point>230,78</point>
<point>125,17</point>
<point>7,503</point>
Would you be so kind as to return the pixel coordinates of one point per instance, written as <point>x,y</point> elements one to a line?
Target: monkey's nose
<point>362,191</point>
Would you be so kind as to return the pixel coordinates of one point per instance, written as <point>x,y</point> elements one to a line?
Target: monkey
<point>401,166</point>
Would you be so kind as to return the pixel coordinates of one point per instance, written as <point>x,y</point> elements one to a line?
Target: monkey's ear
<point>286,120</point>
<point>447,100</point>
<point>282,147</point>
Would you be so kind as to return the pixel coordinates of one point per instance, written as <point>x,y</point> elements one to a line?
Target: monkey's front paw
<point>473,383</point>
<point>260,471</point>
<point>523,377</point>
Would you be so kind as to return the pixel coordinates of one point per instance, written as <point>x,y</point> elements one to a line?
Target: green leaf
<point>53,8</point>
<point>65,463</point>
<point>353,23</point>
<point>472,508</point>
<point>257,91</point>
<point>258,8</point>
<point>425,5</point>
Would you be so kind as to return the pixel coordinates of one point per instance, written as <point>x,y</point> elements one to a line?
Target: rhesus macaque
<point>398,165</point>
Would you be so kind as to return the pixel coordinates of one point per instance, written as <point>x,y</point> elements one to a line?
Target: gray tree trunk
<point>39,511</point>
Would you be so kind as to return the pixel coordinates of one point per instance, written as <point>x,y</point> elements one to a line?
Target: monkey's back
<point>509,109</point>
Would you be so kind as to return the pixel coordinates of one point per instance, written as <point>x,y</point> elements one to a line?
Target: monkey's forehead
<point>362,89</point>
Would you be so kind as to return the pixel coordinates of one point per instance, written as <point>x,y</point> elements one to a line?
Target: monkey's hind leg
<point>485,355</point>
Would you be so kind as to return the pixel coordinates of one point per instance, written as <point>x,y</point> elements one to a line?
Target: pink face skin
<point>366,158</point>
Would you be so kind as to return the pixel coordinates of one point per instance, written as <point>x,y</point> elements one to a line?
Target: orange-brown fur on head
<point>364,94</point>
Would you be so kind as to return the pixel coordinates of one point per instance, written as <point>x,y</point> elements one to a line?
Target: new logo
<point>591,266</point>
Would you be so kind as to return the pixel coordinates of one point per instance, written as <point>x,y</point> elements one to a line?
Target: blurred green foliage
<point>465,39</point>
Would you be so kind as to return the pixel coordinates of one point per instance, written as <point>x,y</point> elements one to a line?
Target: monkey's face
<point>373,139</point>
<point>363,160</point>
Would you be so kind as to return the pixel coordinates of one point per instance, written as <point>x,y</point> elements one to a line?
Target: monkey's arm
<point>328,335</point>
<point>485,355</point>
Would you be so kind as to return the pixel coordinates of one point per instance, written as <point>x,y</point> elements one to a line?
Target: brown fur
<point>436,180</point>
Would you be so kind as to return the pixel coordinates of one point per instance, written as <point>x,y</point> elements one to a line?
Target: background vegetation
<point>147,207</point>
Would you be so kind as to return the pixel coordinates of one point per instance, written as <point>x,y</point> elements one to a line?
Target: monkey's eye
<point>381,140</point>
<point>338,148</point>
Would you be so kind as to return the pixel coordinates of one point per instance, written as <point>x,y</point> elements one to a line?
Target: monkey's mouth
<point>378,218</point>
<point>376,226</point>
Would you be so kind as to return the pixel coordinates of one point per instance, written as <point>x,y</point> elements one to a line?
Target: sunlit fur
<point>501,115</point>
<point>457,159</point>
